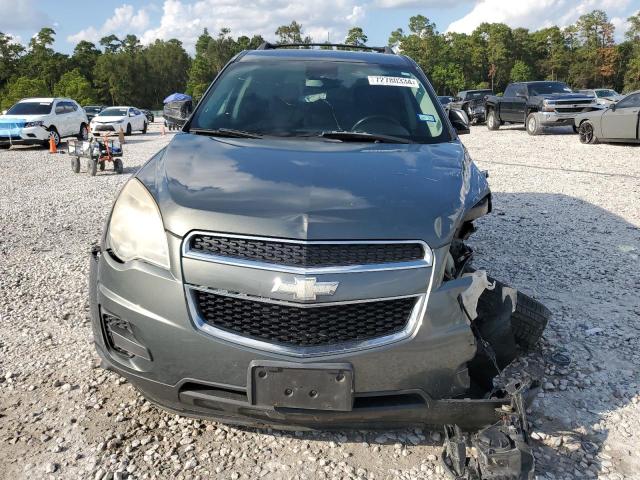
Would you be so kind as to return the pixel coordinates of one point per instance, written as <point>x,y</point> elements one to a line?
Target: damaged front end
<point>500,451</point>
<point>505,323</point>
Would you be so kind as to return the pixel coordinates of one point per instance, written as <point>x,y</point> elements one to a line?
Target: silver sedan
<point>620,122</point>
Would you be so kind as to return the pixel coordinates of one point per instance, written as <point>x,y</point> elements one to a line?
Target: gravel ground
<point>565,229</point>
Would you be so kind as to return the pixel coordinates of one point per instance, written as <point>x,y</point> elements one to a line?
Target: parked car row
<point>33,121</point>
<point>599,114</point>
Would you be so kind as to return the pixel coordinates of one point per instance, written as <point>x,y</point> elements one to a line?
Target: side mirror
<point>459,121</point>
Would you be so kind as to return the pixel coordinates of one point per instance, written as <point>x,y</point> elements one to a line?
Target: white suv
<point>32,121</point>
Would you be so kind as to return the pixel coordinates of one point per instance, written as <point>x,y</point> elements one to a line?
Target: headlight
<point>548,106</point>
<point>34,124</point>
<point>136,230</point>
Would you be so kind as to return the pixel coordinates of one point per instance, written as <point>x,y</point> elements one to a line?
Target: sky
<point>325,19</point>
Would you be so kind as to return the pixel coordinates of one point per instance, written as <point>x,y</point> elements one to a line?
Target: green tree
<point>110,43</point>
<point>10,53</point>
<point>632,50</point>
<point>74,85</point>
<point>85,55</point>
<point>23,87</point>
<point>291,33</point>
<point>41,58</point>
<point>169,66</point>
<point>520,72</point>
<point>356,36</point>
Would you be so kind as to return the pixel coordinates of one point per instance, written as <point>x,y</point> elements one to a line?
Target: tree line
<point>121,71</point>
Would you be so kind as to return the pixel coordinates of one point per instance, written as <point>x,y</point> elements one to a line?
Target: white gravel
<point>565,228</point>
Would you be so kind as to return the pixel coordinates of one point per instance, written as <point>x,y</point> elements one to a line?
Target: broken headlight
<point>136,231</point>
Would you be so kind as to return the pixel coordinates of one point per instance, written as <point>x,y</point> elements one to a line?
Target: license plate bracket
<point>313,386</point>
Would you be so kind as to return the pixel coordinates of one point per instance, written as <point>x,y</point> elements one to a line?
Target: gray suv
<point>296,257</point>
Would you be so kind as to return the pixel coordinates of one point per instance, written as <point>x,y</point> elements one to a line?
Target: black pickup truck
<point>536,105</point>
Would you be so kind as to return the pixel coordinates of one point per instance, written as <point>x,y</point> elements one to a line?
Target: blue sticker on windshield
<point>427,117</point>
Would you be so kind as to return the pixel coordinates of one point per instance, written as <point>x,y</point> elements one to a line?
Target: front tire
<point>144,128</point>
<point>492,120</point>
<point>529,321</point>
<point>533,124</point>
<point>586,133</point>
<point>128,131</point>
<point>117,165</point>
<point>56,136</point>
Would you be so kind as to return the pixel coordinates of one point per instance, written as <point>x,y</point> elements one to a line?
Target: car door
<point>507,103</point>
<point>621,120</point>
<point>133,119</point>
<point>75,117</point>
<point>60,119</point>
<point>140,118</point>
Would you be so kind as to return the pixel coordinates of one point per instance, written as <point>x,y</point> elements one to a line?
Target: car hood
<point>107,119</point>
<point>311,189</point>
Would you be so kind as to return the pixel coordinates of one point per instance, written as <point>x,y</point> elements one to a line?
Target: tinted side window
<point>72,107</point>
<point>510,91</point>
<point>630,101</point>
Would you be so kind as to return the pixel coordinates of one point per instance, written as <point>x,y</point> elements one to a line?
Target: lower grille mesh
<point>304,327</point>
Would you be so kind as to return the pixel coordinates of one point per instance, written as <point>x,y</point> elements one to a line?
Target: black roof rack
<point>273,46</point>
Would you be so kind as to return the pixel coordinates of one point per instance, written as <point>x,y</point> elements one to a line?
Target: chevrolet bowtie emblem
<point>304,288</point>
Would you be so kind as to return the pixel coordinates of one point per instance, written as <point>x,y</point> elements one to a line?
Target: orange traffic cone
<point>52,145</point>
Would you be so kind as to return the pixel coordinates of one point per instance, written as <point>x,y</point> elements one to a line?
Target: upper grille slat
<point>306,255</point>
<point>304,327</point>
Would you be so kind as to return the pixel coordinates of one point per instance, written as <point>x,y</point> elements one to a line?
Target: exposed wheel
<point>144,128</point>
<point>56,136</point>
<point>93,167</point>
<point>492,120</point>
<point>75,165</point>
<point>84,132</point>
<point>586,133</point>
<point>529,321</point>
<point>128,131</point>
<point>533,124</point>
<point>117,165</point>
<point>102,165</point>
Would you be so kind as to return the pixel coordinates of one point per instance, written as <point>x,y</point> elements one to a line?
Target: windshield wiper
<point>224,132</point>
<point>363,137</point>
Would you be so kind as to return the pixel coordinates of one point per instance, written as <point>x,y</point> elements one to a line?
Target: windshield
<point>290,98</point>
<point>30,108</point>
<point>92,109</point>
<point>113,112</point>
<point>548,88</point>
<point>606,93</point>
<point>478,94</point>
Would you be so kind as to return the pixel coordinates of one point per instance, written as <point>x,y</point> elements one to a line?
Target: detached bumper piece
<point>501,452</point>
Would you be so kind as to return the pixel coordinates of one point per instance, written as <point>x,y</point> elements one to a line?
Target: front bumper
<point>105,128</point>
<point>23,136</point>
<point>418,380</point>
<point>557,119</point>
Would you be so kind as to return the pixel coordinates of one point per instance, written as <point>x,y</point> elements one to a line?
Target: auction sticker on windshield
<point>393,81</point>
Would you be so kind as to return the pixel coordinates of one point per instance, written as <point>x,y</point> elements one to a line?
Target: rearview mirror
<point>459,120</point>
